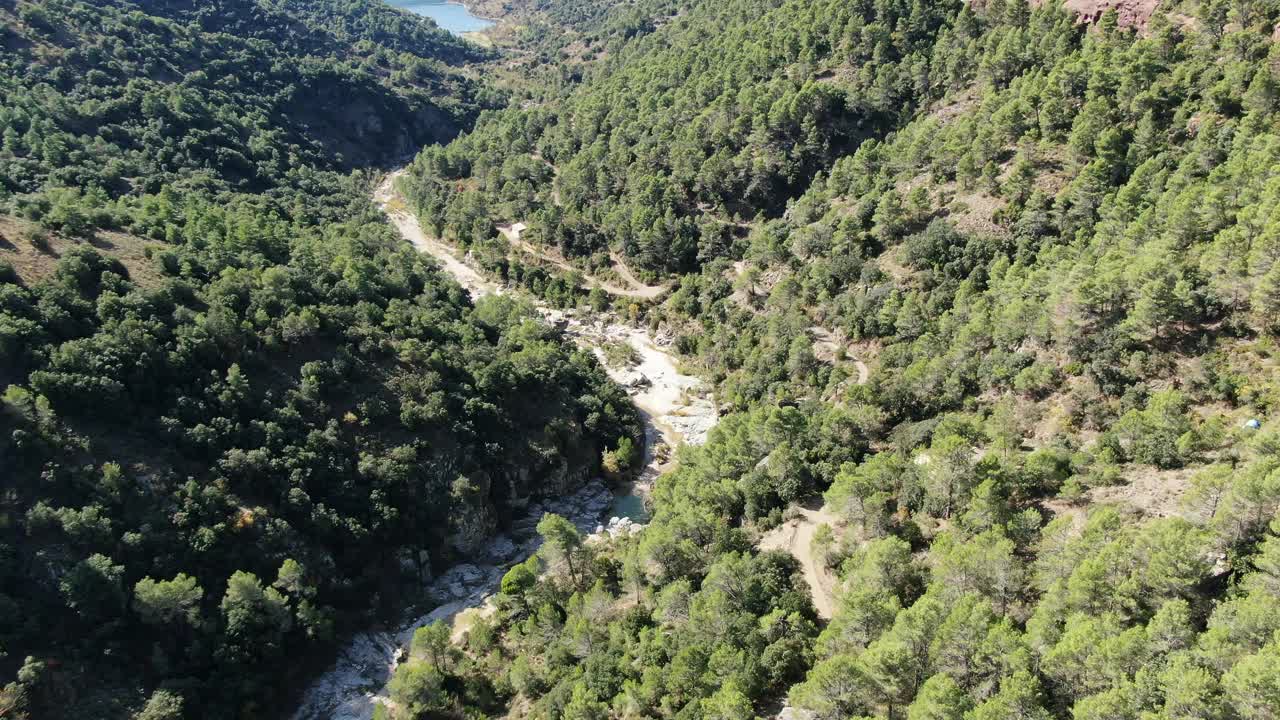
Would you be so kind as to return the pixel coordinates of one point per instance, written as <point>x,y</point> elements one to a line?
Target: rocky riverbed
<point>675,407</point>
<point>357,681</point>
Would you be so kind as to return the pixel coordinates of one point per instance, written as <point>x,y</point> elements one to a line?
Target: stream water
<point>675,409</point>
<point>630,506</point>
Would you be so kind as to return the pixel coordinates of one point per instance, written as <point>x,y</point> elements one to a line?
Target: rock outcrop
<point>1129,13</point>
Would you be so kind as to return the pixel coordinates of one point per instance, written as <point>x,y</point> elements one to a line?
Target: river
<point>675,408</point>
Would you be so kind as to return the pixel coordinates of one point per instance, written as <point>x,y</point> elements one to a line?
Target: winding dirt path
<point>638,290</point>
<point>825,344</point>
<point>796,537</point>
<point>649,291</point>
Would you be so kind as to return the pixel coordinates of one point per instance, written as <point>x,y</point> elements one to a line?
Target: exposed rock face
<point>369,126</point>
<point>557,480</point>
<point>474,522</point>
<point>357,681</point>
<point>1129,13</point>
<point>477,521</point>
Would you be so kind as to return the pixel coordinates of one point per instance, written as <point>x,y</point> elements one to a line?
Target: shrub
<point>37,237</point>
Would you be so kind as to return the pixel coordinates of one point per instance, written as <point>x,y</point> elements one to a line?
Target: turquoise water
<point>451,16</point>
<point>630,506</point>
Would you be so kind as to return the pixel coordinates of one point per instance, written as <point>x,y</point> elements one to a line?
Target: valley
<point>674,412</point>
<point>662,359</point>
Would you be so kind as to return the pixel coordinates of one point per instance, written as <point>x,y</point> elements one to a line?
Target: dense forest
<point>991,283</point>
<point>987,294</point>
<point>118,97</point>
<point>239,416</point>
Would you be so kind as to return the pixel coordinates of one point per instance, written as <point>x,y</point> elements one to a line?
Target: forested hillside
<point>993,286</point>
<point>122,97</point>
<point>729,110</point>
<point>240,417</point>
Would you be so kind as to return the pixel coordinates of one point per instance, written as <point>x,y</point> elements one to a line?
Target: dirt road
<point>796,537</point>
<point>825,344</point>
<point>646,291</point>
<point>407,224</point>
<point>638,290</point>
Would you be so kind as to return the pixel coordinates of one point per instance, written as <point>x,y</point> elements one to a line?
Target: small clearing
<point>889,263</point>
<point>33,264</point>
<point>1148,492</point>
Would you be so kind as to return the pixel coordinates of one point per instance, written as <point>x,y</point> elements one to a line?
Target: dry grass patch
<point>34,255</point>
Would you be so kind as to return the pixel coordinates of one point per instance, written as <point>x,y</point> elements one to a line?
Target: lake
<point>451,16</point>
